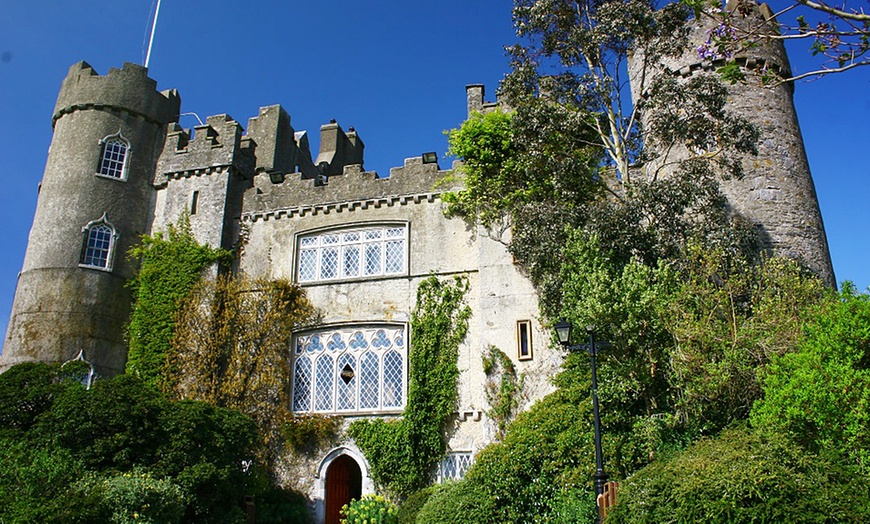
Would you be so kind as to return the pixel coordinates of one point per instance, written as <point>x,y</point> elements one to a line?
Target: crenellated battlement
<point>127,90</point>
<point>356,188</point>
<point>216,144</point>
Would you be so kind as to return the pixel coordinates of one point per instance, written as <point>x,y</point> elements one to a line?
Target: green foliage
<point>26,392</point>
<point>402,452</point>
<point>539,472</point>
<point>412,505</point>
<point>230,349</point>
<point>370,509</point>
<point>503,387</point>
<point>819,396</point>
<point>741,476</point>
<point>305,433</point>
<point>457,503</point>
<point>117,448</point>
<point>137,497</point>
<point>276,506</point>
<point>170,265</point>
<point>727,324</point>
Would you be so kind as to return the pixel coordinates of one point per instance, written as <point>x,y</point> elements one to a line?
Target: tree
<point>839,35</point>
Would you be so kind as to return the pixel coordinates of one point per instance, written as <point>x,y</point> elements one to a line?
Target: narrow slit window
<point>524,340</point>
<point>194,200</point>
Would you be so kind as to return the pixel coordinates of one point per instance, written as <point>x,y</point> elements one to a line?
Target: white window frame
<point>107,157</point>
<point>349,249</point>
<point>454,465</point>
<point>84,258</point>
<point>348,344</point>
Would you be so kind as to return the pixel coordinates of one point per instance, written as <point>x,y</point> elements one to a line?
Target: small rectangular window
<point>524,340</point>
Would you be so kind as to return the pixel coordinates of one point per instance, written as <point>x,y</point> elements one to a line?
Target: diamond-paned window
<point>369,252</point>
<point>454,465</point>
<point>350,369</point>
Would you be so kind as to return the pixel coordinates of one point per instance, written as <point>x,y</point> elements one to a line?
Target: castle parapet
<point>128,89</point>
<point>413,180</point>
<point>217,143</point>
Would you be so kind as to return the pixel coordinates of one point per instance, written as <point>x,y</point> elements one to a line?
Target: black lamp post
<point>563,332</point>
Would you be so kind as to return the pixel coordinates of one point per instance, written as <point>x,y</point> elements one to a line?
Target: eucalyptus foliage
<point>402,452</point>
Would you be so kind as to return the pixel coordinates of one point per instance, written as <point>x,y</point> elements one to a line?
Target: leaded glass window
<point>99,242</point>
<point>454,465</point>
<point>368,252</point>
<point>350,369</point>
<point>113,160</point>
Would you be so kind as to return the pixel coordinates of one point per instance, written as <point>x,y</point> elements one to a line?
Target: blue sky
<point>394,70</point>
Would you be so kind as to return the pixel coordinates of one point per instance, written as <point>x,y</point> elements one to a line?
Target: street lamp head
<point>563,331</point>
<point>590,328</point>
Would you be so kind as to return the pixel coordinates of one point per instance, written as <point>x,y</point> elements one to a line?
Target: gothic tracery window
<point>350,369</point>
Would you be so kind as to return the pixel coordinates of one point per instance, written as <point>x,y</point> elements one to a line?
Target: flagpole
<point>151,38</point>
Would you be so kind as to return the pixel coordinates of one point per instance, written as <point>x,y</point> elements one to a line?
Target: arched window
<point>99,244</point>
<point>351,369</point>
<point>113,161</point>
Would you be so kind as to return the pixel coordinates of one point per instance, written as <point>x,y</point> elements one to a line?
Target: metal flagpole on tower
<point>151,38</point>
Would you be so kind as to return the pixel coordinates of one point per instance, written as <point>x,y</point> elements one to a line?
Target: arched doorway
<point>343,483</point>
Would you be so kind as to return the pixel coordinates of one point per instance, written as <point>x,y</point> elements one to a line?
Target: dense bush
<point>546,453</point>
<point>122,452</point>
<point>741,476</point>
<point>457,503</point>
<point>413,504</point>
<point>819,396</point>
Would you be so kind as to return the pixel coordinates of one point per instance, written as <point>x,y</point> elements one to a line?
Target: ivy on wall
<point>503,387</point>
<point>403,452</point>
<point>171,264</point>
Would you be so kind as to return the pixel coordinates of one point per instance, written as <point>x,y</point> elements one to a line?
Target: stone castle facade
<point>120,166</point>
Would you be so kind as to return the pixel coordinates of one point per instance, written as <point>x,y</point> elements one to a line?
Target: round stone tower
<point>777,192</point>
<point>94,203</point>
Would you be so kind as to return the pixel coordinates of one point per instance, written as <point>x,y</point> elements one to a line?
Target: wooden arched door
<point>343,483</point>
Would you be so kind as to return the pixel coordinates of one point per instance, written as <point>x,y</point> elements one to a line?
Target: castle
<point>120,166</point>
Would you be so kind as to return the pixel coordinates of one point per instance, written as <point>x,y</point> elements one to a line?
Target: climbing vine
<point>402,452</point>
<point>503,387</point>
<point>171,264</point>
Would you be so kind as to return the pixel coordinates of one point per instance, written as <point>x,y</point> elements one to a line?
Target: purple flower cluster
<point>718,44</point>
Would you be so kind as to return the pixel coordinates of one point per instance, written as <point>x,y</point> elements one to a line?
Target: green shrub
<point>277,506</point>
<point>742,476</point>
<point>138,497</point>
<point>370,509</point>
<point>459,502</point>
<point>413,504</point>
<point>820,395</point>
